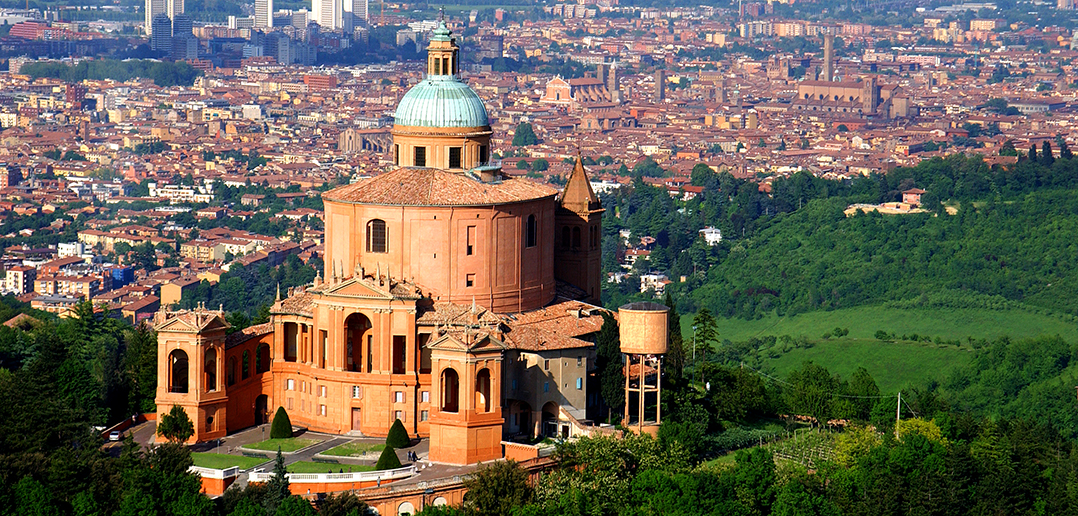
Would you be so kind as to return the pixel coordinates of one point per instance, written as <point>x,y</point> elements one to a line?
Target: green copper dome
<point>441,101</point>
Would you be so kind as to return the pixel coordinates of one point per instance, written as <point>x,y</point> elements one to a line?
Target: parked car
<point>114,435</point>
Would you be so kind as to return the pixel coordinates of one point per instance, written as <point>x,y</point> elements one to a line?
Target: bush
<point>282,426</point>
<point>388,459</point>
<point>398,436</point>
<point>737,438</point>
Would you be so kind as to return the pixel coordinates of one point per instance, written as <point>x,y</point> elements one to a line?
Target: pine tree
<point>610,364</point>
<point>277,487</point>
<point>1064,151</point>
<point>675,355</point>
<point>176,426</point>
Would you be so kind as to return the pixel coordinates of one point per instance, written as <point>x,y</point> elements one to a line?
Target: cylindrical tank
<point>643,328</point>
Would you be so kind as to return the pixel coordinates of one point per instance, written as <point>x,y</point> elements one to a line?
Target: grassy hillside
<point>893,364</point>
<point>864,321</point>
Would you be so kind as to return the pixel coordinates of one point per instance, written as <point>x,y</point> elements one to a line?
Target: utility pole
<point>694,354</point>
<point>898,413</point>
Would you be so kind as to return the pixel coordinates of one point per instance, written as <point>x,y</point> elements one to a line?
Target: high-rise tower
<point>263,13</point>
<point>153,8</point>
<point>828,58</point>
<point>660,85</point>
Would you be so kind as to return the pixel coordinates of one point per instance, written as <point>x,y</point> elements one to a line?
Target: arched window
<point>246,368</point>
<point>262,358</point>
<point>450,390</point>
<point>177,371</point>
<point>565,236</point>
<point>576,237</point>
<point>230,372</point>
<point>210,370</point>
<point>482,391</point>
<point>532,232</point>
<point>377,237</point>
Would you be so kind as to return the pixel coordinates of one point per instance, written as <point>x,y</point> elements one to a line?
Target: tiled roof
<point>247,334</point>
<point>432,187</point>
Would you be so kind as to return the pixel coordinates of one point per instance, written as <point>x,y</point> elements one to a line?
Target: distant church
<point>454,298</point>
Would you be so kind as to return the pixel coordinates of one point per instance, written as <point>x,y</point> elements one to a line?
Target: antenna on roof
<point>441,14</point>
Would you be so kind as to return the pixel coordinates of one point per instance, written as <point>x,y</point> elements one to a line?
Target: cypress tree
<point>277,487</point>
<point>1046,154</point>
<point>398,436</point>
<point>388,459</point>
<point>282,425</point>
<point>1033,152</point>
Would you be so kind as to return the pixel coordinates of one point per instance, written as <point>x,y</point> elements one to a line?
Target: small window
<point>425,396</point>
<point>357,392</point>
<point>546,386</point>
<point>399,414</point>
<point>469,280</point>
<point>322,410</point>
<point>419,155</point>
<point>424,415</point>
<point>289,403</point>
<point>484,154</point>
<point>322,391</point>
<point>471,240</point>
<point>396,154</point>
<point>532,232</point>
<point>377,237</point>
<point>579,384</point>
<point>546,365</point>
<point>579,361</point>
<point>514,384</point>
<point>455,157</point>
<point>290,385</point>
<point>398,396</point>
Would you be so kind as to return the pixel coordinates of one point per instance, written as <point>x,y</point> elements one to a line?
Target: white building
<point>711,235</point>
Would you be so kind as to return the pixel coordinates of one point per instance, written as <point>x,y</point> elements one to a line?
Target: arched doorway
<point>261,404</point>
<point>291,341</point>
<point>357,333</point>
<point>177,371</point>
<point>550,419</point>
<point>519,418</point>
<point>406,509</point>
<point>450,390</point>
<point>482,391</point>
<point>209,372</point>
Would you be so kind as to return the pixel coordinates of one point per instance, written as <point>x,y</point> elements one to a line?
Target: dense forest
<point>163,74</point>
<point>795,250</point>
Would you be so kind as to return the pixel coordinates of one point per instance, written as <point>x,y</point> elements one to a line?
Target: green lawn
<point>892,364</point>
<point>863,322</point>
<point>354,449</point>
<point>287,445</point>
<point>222,461</point>
<point>318,467</point>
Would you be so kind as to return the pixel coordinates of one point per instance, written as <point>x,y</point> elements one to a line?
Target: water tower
<point>644,337</point>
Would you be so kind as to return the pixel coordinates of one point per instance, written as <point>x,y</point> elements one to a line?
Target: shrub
<point>388,459</point>
<point>398,436</point>
<point>282,426</point>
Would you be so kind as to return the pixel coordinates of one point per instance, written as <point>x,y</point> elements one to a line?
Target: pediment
<point>356,288</point>
<point>193,323</point>
<point>480,343</point>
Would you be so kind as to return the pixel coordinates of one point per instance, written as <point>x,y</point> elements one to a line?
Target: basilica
<point>454,298</point>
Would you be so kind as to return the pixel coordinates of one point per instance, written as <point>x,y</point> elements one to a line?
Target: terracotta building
<point>454,298</point>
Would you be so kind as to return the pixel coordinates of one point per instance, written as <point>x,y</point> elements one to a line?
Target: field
<point>354,449</point>
<point>863,322</point>
<point>319,467</point>
<point>286,445</point>
<point>222,461</point>
<point>893,365</point>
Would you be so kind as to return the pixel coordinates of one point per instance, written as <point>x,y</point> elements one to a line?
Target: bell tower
<point>578,223</point>
<point>442,53</point>
<point>466,413</point>
<point>190,368</point>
